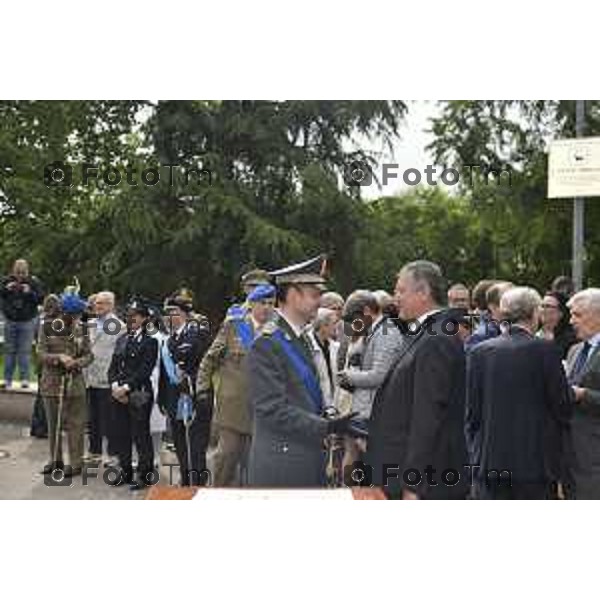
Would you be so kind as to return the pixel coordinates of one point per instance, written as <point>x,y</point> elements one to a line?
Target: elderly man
<point>416,441</point>
<point>458,296</point>
<point>20,296</point>
<point>583,370</point>
<point>103,331</point>
<point>518,407</point>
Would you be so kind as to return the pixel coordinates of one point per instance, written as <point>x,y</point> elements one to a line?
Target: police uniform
<point>131,367</point>
<point>180,357</point>
<point>283,387</point>
<point>62,388</point>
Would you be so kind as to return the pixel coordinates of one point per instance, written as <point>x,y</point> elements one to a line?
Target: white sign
<point>219,494</point>
<point>574,168</point>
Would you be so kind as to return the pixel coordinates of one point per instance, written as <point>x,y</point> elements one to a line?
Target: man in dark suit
<point>129,374</point>
<point>583,369</point>
<point>518,407</point>
<point>180,358</point>
<point>284,391</point>
<point>416,442</point>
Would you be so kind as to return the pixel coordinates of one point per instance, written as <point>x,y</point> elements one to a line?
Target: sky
<point>408,151</point>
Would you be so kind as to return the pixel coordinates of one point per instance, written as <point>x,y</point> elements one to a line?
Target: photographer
<point>20,295</point>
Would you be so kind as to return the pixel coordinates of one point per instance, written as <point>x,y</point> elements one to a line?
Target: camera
<point>358,172</point>
<point>358,474</point>
<point>58,174</point>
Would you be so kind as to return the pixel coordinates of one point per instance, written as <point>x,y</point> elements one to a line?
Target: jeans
<point>18,338</point>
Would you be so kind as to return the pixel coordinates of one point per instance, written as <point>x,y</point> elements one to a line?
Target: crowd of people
<point>489,392</point>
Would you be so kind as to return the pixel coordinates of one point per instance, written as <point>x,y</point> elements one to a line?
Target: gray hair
<point>324,317</point>
<point>329,299</point>
<point>384,299</point>
<point>358,300</point>
<point>106,295</point>
<point>519,304</point>
<point>589,298</point>
<point>430,274</point>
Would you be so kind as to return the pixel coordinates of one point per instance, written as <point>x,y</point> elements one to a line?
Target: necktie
<point>580,362</point>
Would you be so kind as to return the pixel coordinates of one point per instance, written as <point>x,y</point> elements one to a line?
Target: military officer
<point>129,375</point>
<point>64,350</point>
<point>283,388</point>
<point>223,368</point>
<point>180,358</point>
<point>248,282</point>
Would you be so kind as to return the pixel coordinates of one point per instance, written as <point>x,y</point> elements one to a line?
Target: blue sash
<point>302,369</point>
<point>169,364</point>
<point>237,311</point>
<point>244,332</point>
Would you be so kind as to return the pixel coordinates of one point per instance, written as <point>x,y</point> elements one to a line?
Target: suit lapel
<point>592,358</point>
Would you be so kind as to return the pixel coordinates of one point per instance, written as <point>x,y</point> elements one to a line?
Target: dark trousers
<point>516,491</point>
<point>132,424</point>
<point>100,420</point>
<point>199,435</point>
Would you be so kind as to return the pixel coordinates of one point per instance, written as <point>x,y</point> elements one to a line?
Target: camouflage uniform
<point>54,377</point>
<point>223,368</point>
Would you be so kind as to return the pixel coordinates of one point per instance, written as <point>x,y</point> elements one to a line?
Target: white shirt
<point>594,340</point>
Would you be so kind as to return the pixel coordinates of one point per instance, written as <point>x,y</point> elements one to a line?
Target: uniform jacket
<point>186,348</point>
<point>50,347</point>
<point>288,431</point>
<point>133,361</point>
<point>223,368</point>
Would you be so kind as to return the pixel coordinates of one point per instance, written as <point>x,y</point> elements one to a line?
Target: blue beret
<point>72,303</point>
<point>261,292</point>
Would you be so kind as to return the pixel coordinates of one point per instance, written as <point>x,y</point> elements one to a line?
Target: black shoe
<point>124,479</point>
<point>138,485</point>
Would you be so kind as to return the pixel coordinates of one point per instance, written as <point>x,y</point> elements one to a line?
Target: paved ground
<point>22,457</point>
